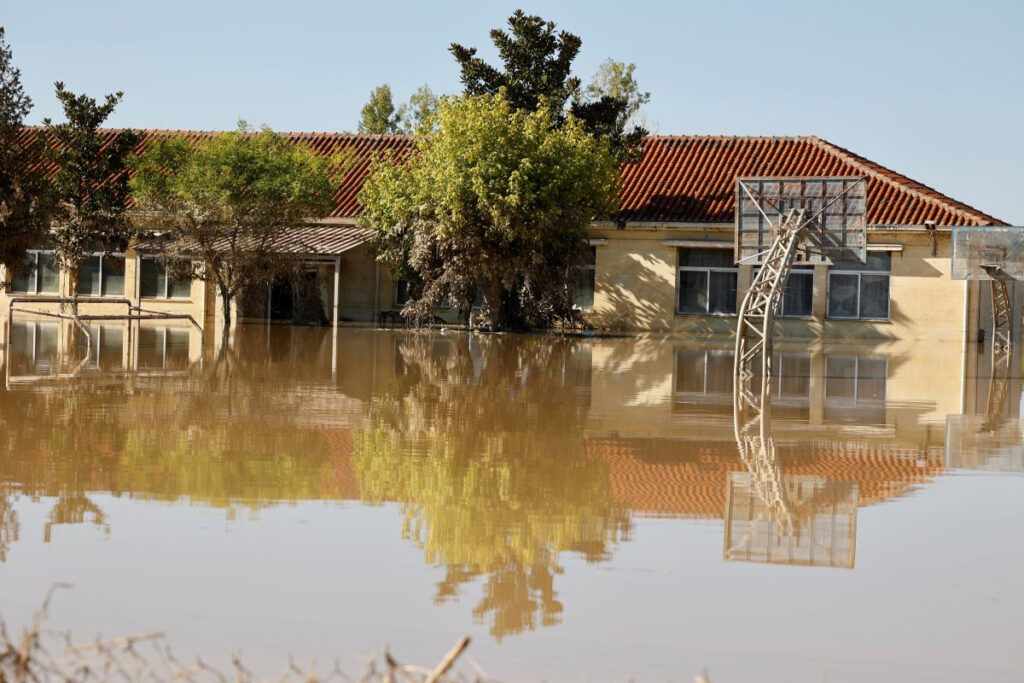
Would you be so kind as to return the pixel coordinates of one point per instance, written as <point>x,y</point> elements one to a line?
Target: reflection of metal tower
<point>788,519</point>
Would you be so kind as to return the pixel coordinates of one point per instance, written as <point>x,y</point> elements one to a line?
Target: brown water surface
<point>582,507</point>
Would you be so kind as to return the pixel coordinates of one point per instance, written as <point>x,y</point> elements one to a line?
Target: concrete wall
<point>636,289</point>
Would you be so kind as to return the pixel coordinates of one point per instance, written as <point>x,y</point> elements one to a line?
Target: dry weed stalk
<point>41,656</point>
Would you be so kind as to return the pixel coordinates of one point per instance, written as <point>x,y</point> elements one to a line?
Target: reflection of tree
<point>224,436</point>
<point>481,442</point>
<point>9,526</point>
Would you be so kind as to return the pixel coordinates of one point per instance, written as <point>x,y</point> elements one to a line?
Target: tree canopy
<point>537,70</point>
<point>497,201</point>
<point>90,182</point>
<point>26,202</point>
<point>378,115</point>
<point>227,200</point>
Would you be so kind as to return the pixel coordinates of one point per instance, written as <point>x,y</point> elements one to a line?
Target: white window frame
<point>801,272</point>
<point>34,253</point>
<point>167,284</point>
<point>102,257</point>
<point>859,274</point>
<point>856,401</point>
<point>34,327</point>
<point>162,333</point>
<point>707,285</point>
<point>590,267</point>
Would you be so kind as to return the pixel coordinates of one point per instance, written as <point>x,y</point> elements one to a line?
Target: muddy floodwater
<point>582,508</point>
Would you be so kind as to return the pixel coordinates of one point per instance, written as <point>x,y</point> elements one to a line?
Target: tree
<point>227,200</point>
<point>497,200</point>
<point>418,114</point>
<point>537,68</point>
<point>615,81</point>
<point>26,205</point>
<point>378,115</point>
<point>90,182</point>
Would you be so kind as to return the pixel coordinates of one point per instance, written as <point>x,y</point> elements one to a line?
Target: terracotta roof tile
<point>679,178</point>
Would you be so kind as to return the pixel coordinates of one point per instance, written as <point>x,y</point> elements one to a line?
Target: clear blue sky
<point>930,89</point>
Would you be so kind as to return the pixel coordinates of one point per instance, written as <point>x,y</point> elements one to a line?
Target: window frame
<point>860,280</point>
<point>34,254</point>
<point>734,270</point>
<point>587,272</point>
<point>166,283</point>
<point>801,270</point>
<point>103,294</point>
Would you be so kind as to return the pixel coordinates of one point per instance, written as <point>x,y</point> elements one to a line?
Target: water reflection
<point>505,455</point>
<point>480,440</point>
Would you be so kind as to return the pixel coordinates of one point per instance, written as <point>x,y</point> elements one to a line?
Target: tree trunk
<point>225,298</point>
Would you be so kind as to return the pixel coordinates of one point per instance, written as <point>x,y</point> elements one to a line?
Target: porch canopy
<point>307,241</point>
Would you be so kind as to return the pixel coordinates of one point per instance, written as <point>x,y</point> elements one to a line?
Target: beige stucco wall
<point>636,289</point>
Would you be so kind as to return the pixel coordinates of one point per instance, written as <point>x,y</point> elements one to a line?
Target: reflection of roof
<point>329,240</point>
<point>679,178</point>
<point>689,478</point>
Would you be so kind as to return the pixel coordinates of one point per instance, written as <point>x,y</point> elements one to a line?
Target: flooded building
<point>664,263</point>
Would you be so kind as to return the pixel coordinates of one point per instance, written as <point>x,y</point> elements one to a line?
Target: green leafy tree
<point>537,70</point>
<point>497,200</point>
<point>227,200</point>
<point>615,81</point>
<point>26,205</point>
<point>90,182</point>
<point>419,114</point>
<point>379,115</point>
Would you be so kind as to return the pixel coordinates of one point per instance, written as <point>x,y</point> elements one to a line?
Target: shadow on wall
<point>635,297</point>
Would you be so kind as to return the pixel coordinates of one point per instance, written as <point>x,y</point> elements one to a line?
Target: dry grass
<point>37,655</point>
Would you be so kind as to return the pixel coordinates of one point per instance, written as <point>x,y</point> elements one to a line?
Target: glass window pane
<point>871,374</point>
<point>693,291</point>
<point>583,293</point>
<point>874,296</point>
<point>151,347</point>
<point>49,275</point>
<point>879,260</point>
<point>401,292</point>
<point>723,292</point>
<point>794,375</point>
<point>113,276</point>
<point>176,355</point>
<point>796,300</point>
<point>840,377</point>
<point>179,289</point>
<point>110,348</point>
<point>842,295</point>
<point>46,342</point>
<point>719,372</point>
<point>690,369</point>
<point>25,284</point>
<point>89,277</point>
<point>152,279</point>
<point>706,258</point>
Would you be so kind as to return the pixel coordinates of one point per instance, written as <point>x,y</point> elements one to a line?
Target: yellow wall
<point>636,289</point>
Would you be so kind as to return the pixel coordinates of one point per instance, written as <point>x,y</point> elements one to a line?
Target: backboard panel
<point>983,252</point>
<point>837,205</point>
<point>819,528</point>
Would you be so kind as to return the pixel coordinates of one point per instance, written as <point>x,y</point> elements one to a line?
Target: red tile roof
<point>682,178</point>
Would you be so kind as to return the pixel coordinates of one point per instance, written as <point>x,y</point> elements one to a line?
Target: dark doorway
<point>282,300</point>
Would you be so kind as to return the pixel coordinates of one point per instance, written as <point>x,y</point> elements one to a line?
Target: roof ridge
<point>906,183</point>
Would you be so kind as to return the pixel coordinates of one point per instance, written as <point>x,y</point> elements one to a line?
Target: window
<point>583,292</point>
<point>855,389</point>
<point>401,293</point>
<point>43,276</point>
<point>155,284</point>
<point>704,372</point>
<point>102,276</point>
<point>860,290</point>
<point>798,298</point>
<point>707,282</point>
<point>34,346</point>
<point>107,347</point>
<point>163,348</point>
